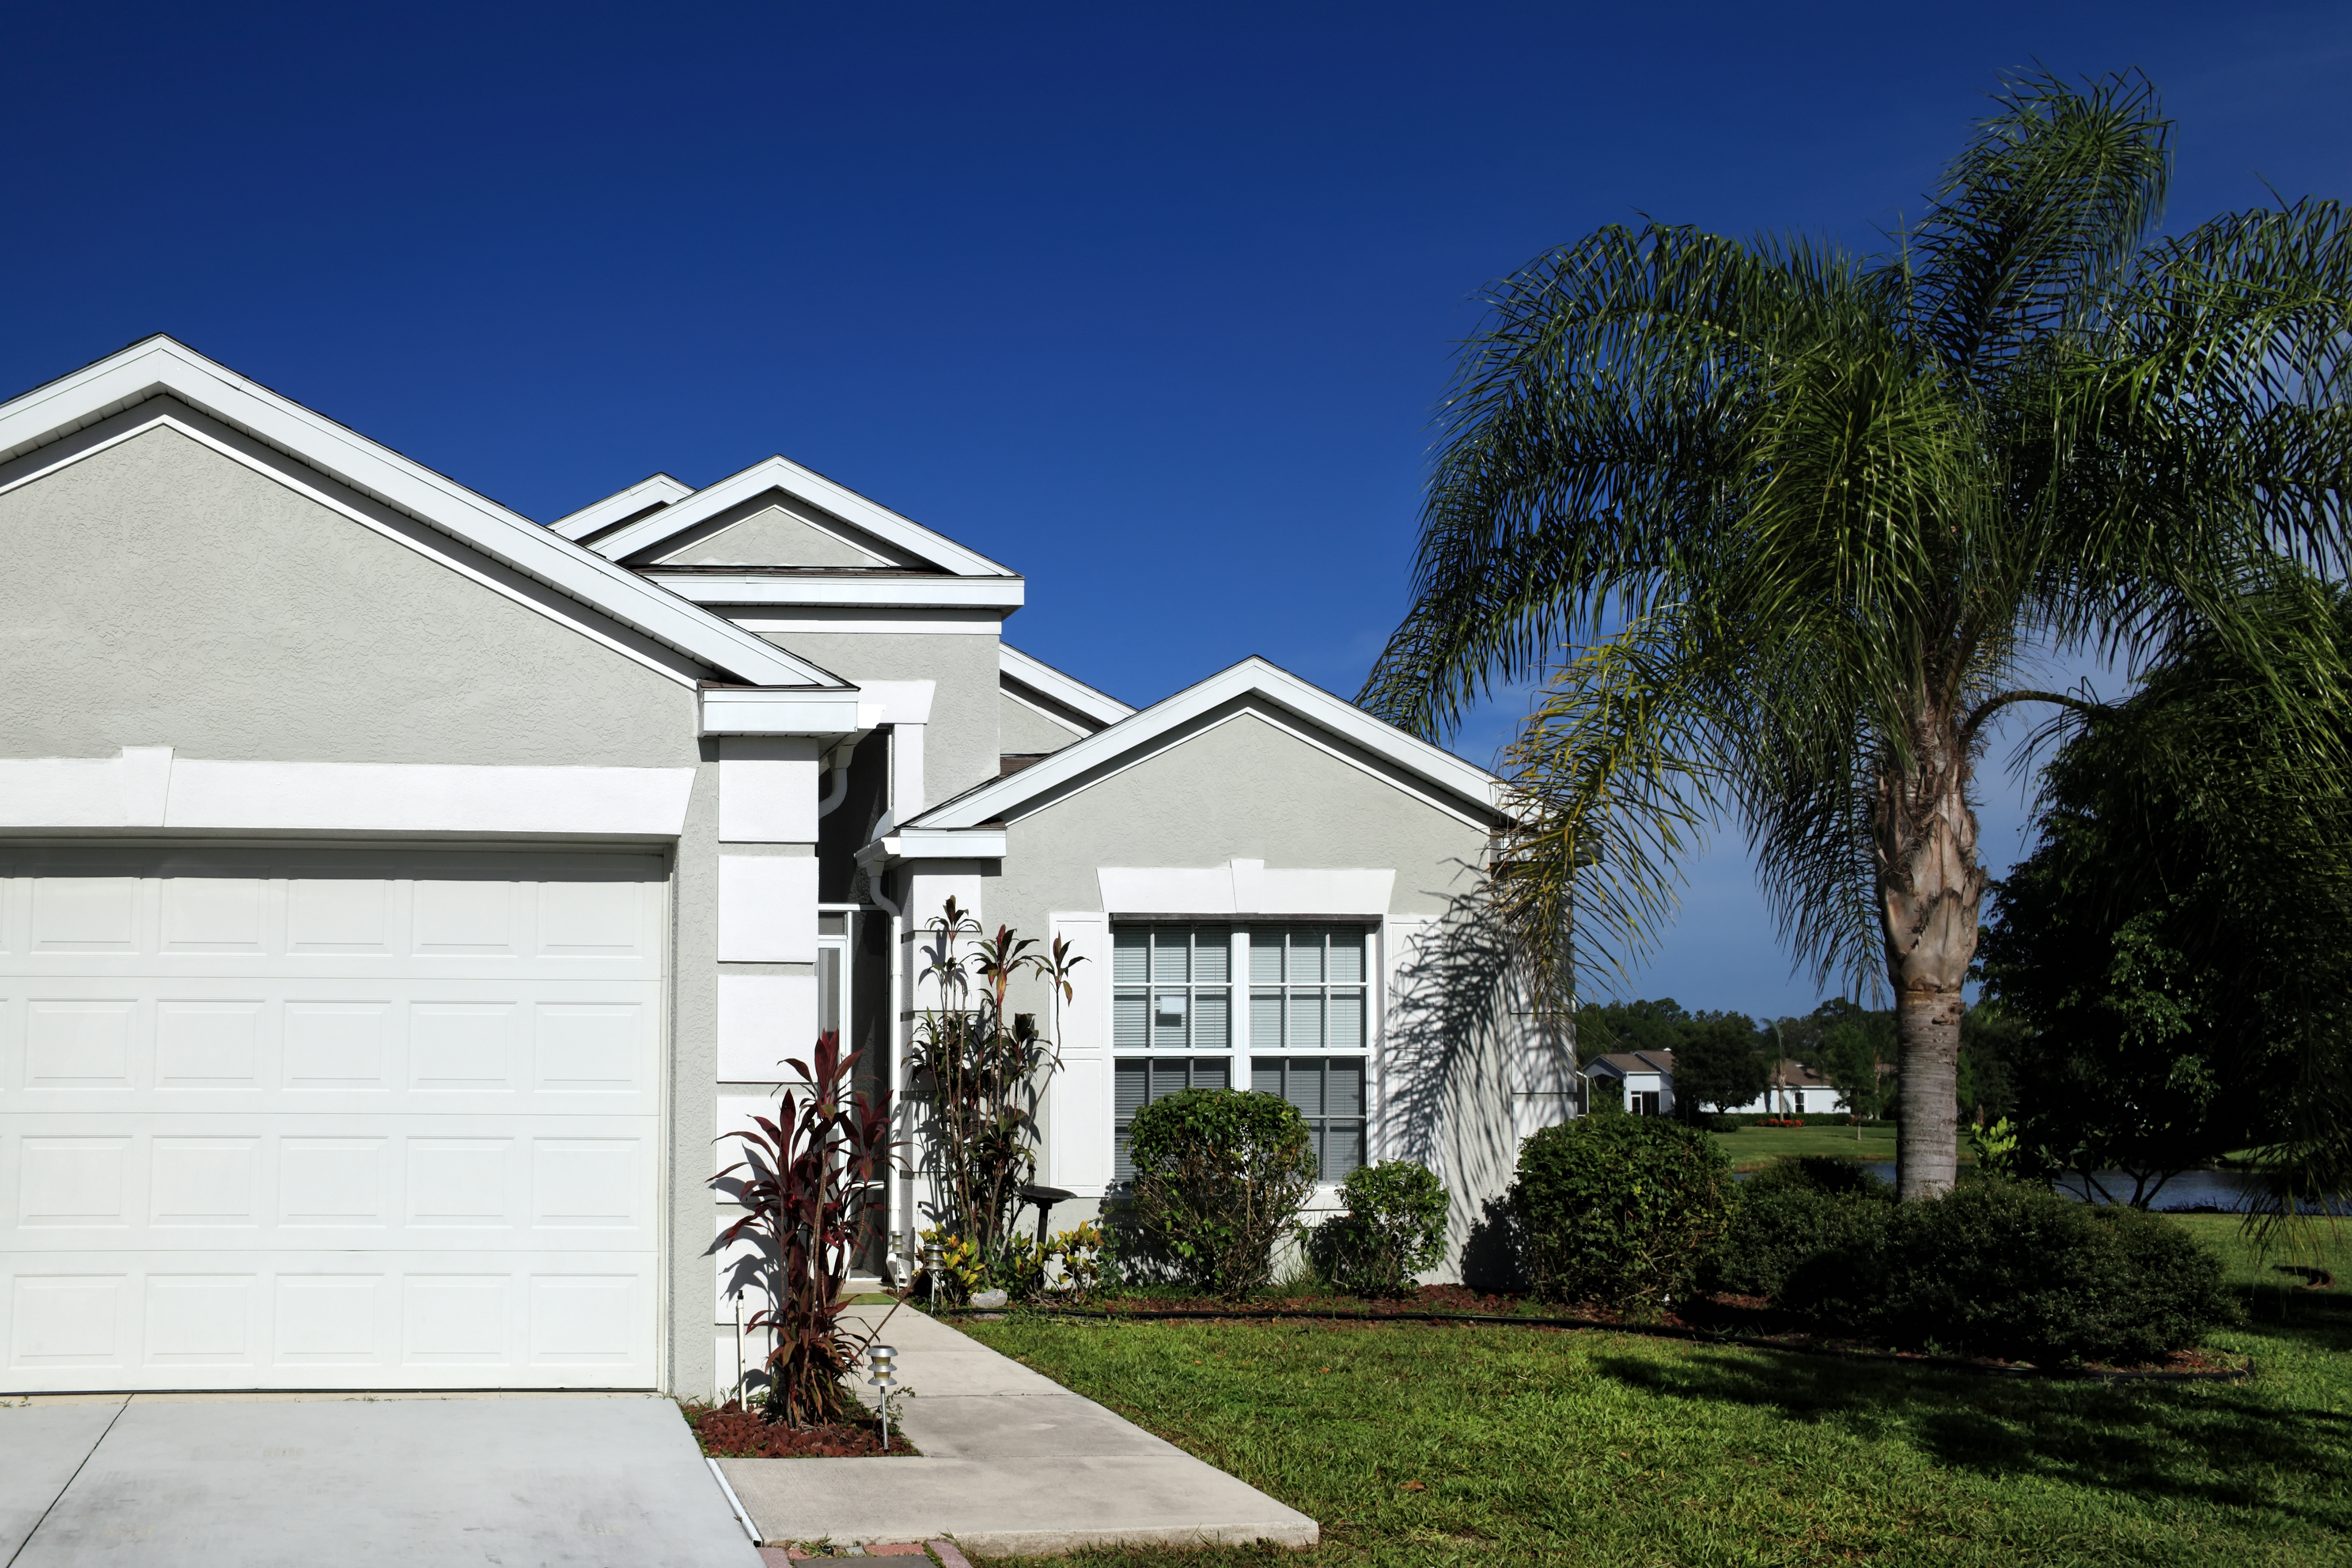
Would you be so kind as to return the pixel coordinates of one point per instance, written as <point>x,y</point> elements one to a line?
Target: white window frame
<point>1239,988</point>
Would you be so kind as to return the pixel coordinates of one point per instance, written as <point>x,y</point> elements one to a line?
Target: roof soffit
<point>162,367</point>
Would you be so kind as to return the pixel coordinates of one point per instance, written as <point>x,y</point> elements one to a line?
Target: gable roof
<point>648,494</point>
<point>159,367</point>
<point>1622,1063</point>
<point>812,487</point>
<point>1475,791</point>
<point>1067,691</point>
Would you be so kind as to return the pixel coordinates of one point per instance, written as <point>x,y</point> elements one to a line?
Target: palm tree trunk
<point>1930,885</point>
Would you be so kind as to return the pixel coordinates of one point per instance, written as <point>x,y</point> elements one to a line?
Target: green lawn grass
<point>1536,1447</point>
<point>1752,1148</point>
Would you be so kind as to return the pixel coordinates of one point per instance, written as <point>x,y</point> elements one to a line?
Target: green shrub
<point>1220,1175</point>
<point>2002,1268</point>
<point>1620,1210</point>
<point>1797,1215</point>
<point>1394,1228</point>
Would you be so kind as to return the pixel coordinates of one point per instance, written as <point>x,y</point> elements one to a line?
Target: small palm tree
<point>1802,521</point>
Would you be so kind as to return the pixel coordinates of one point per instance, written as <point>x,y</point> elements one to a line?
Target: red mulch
<point>1748,1317</point>
<point>732,1432</point>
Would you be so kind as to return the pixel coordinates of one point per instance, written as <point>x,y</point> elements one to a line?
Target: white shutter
<point>1078,1109</point>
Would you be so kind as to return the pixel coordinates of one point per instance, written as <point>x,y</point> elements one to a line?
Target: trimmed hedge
<point>1220,1176</point>
<point>1620,1210</point>
<point>1999,1268</point>
<point>1792,1214</point>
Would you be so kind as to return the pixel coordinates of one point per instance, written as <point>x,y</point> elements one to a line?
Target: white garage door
<point>314,1119</point>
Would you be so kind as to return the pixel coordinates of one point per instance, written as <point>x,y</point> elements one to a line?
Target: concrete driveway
<point>600,1483</point>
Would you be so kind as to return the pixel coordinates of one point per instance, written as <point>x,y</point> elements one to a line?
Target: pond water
<point>2225,1192</point>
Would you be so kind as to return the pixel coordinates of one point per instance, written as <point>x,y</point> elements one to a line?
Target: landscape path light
<point>884,1359</point>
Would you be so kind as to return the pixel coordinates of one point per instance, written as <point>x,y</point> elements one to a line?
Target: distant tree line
<point>1724,1060</point>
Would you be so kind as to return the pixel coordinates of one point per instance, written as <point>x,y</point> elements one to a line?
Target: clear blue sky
<point>1150,302</point>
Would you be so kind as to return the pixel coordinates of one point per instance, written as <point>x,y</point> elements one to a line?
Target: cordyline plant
<point>984,1070</point>
<point>1787,526</point>
<point>799,1184</point>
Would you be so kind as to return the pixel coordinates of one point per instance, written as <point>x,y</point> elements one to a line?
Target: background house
<point>1795,1089</point>
<point>1647,1077</point>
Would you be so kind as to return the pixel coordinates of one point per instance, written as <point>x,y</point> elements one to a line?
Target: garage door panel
<point>519,1183</point>
<point>285,1119</point>
<point>162,1044</point>
<point>404,1319</point>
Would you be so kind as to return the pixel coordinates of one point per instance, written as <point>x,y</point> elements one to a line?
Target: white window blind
<point>1171,988</point>
<point>1329,1092</point>
<point>1137,1081</point>
<point>1306,988</point>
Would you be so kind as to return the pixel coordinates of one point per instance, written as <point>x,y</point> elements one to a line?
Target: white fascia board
<point>1251,678</point>
<point>160,366</point>
<point>657,489</point>
<point>734,710</point>
<point>950,844</point>
<point>1244,888</point>
<point>783,474</point>
<point>150,787</point>
<point>897,701</point>
<point>851,588</point>
<point>1067,691</point>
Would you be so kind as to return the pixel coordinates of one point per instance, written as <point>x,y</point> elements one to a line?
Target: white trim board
<point>1067,690</point>
<point>811,487</point>
<point>159,367</point>
<point>852,618</point>
<point>655,490</point>
<point>1243,887</point>
<point>849,586</point>
<point>1467,791</point>
<point>150,786</point>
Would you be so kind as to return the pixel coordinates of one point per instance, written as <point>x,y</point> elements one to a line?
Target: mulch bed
<point>1722,1319</point>
<point>730,1432</point>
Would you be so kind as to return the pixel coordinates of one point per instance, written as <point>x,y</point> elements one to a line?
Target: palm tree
<point>1796,523</point>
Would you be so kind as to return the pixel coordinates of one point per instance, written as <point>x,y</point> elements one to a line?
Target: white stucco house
<point>399,895</point>
<point>1646,1078</point>
<point>1795,1089</point>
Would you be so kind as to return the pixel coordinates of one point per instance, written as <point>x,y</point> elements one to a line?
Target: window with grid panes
<point>1171,992</point>
<point>1171,988</point>
<point>1307,996</point>
<point>1329,1092</point>
<point>1137,1081</point>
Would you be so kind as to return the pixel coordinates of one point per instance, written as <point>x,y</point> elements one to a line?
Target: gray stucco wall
<point>1020,728</point>
<point>1240,787</point>
<point>1243,788</point>
<point>161,594</point>
<point>693,1087</point>
<point>764,532</point>
<point>960,747</point>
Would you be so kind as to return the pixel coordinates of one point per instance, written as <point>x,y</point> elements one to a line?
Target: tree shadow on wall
<point>1467,1048</point>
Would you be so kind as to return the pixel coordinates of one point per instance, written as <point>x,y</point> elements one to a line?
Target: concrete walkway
<point>1011,1462</point>
<point>281,1481</point>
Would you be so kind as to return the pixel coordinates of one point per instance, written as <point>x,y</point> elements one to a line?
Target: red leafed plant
<point>798,1184</point>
